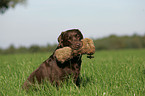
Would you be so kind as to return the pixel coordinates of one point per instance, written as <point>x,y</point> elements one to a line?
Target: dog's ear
<point>60,39</point>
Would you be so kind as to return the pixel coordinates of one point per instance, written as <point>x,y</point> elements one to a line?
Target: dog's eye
<point>77,36</point>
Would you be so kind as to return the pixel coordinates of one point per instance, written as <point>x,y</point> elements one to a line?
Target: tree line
<point>32,49</point>
<point>112,42</point>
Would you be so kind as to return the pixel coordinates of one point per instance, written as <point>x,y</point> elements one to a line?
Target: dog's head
<point>71,38</point>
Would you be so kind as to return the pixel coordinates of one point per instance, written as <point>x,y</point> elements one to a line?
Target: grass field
<point>110,73</point>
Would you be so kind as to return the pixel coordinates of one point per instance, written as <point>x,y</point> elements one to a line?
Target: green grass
<point>110,73</point>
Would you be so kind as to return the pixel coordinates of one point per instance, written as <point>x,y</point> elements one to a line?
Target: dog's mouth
<point>77,46</point>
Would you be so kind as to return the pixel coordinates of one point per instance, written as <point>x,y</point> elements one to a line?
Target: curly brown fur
<point>63,54</point>
<point>66,53</point>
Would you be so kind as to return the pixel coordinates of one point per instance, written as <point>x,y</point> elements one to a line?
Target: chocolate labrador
<point>55,71</point>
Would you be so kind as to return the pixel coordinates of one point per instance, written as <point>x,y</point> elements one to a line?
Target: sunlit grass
<point>110,73</point>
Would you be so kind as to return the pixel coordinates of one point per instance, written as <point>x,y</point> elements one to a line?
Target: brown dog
<point>55,71</point>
